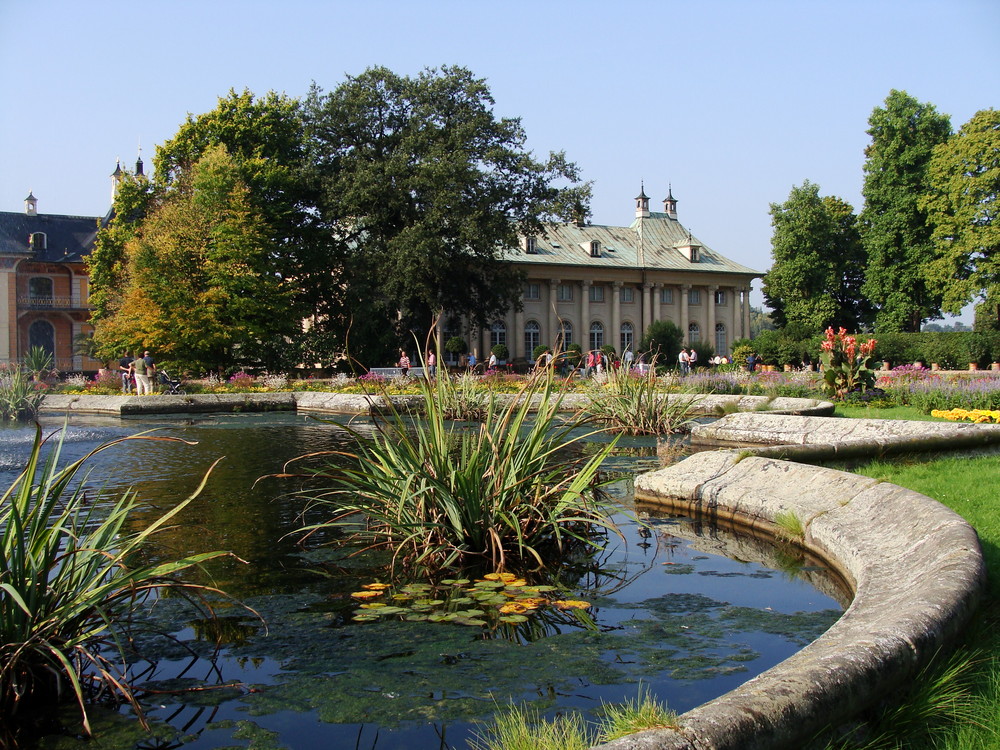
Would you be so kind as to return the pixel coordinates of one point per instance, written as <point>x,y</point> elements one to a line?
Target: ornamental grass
<point>71,575</point>
<point>633,403</point>
<point>502,493</point>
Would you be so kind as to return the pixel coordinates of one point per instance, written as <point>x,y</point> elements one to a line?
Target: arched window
<point>627,337</point>
<point>596,335</point>
<point>694,334</point>
<point>565,335</point>
<point>41,333</point>
<point>721,344</point>
<point>498,334</point>
<point>532,337</point>
<point>40,290</point>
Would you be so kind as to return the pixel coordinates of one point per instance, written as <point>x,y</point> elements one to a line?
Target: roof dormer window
<point>529,246</point>
<point>595,249</point>
<point>36,241</point>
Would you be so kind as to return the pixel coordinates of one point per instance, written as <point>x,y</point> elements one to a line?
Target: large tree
<point>425,190</point>
<point>963,207</point>
<point>894,228</point>
<point>199,286</point>
<point>264,143</point>
<point>818,263</point>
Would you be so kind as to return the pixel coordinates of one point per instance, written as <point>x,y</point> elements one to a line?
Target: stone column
<point>745,309</point>
<point>516,344</point>
<point>657,288</point>
<point>647,307</point>
<point>549,336</point>
<point>616,315</point>
<point>685,289</point>
<point>585,315</point>
<point>711,316</point>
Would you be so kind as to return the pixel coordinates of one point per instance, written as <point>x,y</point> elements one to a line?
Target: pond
<point>682,609</point>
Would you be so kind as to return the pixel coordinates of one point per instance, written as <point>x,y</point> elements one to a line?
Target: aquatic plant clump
<point>20,395</point>
<point>503,492</point>
<point>633,403</point>
<point>71,573</point>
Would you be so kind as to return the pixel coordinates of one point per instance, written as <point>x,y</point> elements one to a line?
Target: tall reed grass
<point>633,403</point>
<point>505,492</point>
<point>71,574</point>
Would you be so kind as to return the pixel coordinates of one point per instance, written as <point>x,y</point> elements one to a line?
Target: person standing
<point>125,370</point>
<point>431,360</point>
<point>692,359</point>
<point>471,361</point>
<point>684,361</point>
<point>404,364</point>
<point>145,371</point>
<point>627,360</point>
<point>493,362</point>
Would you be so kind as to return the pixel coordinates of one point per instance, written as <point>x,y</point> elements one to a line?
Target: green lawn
<point>969,487</point>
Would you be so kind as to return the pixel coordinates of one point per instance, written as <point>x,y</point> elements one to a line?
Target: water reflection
<point>686,609</point>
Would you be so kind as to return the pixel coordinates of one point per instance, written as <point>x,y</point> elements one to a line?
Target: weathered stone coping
<point>822,438</point>
<point>915,566</point>
<point>348,403</point>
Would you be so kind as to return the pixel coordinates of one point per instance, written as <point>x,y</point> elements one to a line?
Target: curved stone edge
<point>350,403</point>
<point>917,572</point>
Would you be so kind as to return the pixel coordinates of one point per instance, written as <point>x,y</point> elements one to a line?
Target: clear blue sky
<point>730,102</point>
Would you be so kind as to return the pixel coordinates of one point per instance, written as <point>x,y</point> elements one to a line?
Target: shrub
<point>501,351</point>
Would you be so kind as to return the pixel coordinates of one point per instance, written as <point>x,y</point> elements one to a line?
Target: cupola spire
<point>642,203</point>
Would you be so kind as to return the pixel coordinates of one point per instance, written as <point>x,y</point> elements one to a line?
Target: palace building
<point>586,284</point>
<point>596,285</point>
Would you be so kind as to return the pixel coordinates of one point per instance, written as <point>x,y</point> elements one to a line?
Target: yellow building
<point>596,285</point>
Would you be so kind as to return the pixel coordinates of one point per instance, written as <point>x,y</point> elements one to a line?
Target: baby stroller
<point>170,386</point>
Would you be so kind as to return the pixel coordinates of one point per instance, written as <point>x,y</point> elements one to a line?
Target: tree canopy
<point>963,205</point>
<point>425,189</point>
<point>895,230</point>
<point>819,262</point>
<point>200,288</point>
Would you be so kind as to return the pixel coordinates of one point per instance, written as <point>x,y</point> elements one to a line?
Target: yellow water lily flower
<point>571,604</point>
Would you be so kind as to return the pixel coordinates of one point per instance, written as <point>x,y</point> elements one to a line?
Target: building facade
<point>598,285</point>
<point>44,289</point>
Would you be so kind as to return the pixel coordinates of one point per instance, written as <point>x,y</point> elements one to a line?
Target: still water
<point>681,609</point>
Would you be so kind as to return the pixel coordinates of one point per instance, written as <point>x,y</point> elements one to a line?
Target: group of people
<point>430,362</point>
<point>138,373</point>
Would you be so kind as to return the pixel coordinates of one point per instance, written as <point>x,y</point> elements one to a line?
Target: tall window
<point>597,293</point>
<point>720,297</point>
<point>41,333</point>
<point>532,337</point>
<point>694,297</point>
<point>498,334</point>
<point>627,337</point>
<point>721,344</point>
<point>596,335</point>
<point>40,290</point>
<point>531,291</point>
<point>627,294</point>
<point>595,249</point>
<point>666,296</point>
<point>694,334</point>
<point>564,293</point>
<point>565,335</point>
